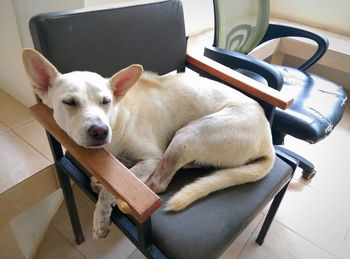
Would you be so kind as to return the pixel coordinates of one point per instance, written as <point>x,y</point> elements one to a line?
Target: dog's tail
<point>218,180</point>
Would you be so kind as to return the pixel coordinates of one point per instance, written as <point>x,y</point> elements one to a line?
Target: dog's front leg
<point>101,222</point>
<point>102,214</point>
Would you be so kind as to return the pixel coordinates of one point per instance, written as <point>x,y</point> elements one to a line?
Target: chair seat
<point>199,231</point>
<point>317,108</point>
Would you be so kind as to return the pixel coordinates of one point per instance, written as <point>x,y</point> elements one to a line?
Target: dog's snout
<point>98,131</point>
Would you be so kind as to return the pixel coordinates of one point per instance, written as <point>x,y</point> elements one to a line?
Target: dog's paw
<point>123,206</point>
<point>95,185</point>
<point>100,233</point>
<point>101,226</point>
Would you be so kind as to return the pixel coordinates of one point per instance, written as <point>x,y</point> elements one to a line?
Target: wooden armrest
<point>105,167</point>
<point>239,81</point>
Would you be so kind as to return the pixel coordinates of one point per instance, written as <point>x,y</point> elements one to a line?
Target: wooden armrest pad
<point>239,81</point>
<point>105,167</point>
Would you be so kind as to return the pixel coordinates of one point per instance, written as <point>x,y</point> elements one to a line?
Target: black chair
<point>104,41</point>
<point>318,103</point>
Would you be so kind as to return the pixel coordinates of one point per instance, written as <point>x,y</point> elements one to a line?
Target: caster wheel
<point>308,175</point>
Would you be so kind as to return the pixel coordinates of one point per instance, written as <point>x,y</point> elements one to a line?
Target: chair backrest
<point>240,25</point>
<point>107,40</point>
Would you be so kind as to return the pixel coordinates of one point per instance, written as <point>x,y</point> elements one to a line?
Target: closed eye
<point>106,100</point>
<point>70,102</point>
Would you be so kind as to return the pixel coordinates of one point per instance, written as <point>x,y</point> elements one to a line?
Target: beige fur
<point>156,125</point>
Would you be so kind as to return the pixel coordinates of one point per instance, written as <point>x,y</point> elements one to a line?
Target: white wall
<point>25,9</point>
<point>14,19</point>
<point>12,77</point>
<point>198,13</point>
<point>331,15</point>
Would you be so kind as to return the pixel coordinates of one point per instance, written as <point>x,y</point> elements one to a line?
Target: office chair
<point>152,34</point>
<point>318,105</point>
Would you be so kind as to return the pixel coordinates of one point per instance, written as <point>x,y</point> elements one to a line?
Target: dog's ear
<point>39,70</point>
<point>124,79</point>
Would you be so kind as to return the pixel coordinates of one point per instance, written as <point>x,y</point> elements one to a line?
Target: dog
<point>156,125</point>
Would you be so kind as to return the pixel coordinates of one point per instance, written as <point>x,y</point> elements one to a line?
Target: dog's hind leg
<point>235,139</point>
<point>178,154</point>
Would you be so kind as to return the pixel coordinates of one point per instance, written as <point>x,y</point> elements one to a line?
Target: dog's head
<point>83,102</point>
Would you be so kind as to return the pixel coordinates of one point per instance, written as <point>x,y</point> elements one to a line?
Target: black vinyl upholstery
<point>317,108</point>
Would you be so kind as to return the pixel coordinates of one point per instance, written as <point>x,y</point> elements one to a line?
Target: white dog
<point>156,125</point>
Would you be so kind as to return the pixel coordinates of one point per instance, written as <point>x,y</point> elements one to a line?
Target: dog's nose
<point>98,132</point>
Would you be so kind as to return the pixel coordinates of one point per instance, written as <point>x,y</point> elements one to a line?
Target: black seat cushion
<point>317,108</point>
<point>200,231</point>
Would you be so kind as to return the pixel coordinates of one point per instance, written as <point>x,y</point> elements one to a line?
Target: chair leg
<point>64,181</point>
<point>70,204</point>
<point>271,214</point>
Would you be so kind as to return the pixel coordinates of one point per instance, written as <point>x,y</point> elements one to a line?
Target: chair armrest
<point>239,81</point>
<point>105,167</point>
<point>234,60</point>
<point>277,31</point>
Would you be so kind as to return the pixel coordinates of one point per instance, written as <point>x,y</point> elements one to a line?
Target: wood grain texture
<point>105,167</point>
<point>239,81</point>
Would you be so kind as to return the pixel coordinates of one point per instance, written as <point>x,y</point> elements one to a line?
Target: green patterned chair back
<point>240,25</point>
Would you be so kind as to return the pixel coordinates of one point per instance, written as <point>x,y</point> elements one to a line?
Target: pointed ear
<point>39,70</point>
<point>124,79</point>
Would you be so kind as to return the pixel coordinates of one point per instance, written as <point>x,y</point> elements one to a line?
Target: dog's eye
<point>106,100</point>
<point>70,102</point>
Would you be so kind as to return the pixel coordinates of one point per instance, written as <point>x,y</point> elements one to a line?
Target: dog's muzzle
<point>98,133</point>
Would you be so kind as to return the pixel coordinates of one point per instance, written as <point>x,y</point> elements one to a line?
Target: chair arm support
<point>238,80</point>
<point>105,167</point>
<point>277,31</point>
<point>236,60</point>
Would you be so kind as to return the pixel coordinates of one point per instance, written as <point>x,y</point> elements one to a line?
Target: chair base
<point>308,168</point>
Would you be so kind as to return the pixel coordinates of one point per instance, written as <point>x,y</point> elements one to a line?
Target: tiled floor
<point>313,221</point>
<point>24,149</point>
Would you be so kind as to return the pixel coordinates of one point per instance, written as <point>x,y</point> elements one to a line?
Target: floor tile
<point>345,253</point>
<point>12,112</point>
<point>31,226</point>
<point>330,160</point>
<point>282,243</point>
<point>55,246</point>
<point>9,248</point>
<point>34,134</point>
<point>136,255</point>
<point>3,128</point>
<point>116,245</point>
<point>26,194</point>
<point>343,44</point>
<point>317,216</point>
<point>80,200</point>
<point>18,161</point>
